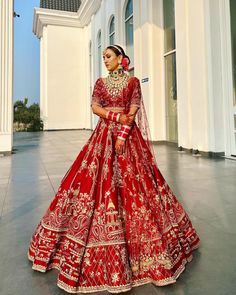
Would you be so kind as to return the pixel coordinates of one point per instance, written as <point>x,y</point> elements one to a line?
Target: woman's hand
<point>127,119</point>
<point>131,118</point>
<point>120,146</point>
<point>123,119</point>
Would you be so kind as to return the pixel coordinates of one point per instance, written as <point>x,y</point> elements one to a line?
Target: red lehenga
<point>114,222</point>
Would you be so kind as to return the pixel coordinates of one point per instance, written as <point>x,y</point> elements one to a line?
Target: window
<point>129,31</point>
<point>112,31</point>
<point>99,53</point>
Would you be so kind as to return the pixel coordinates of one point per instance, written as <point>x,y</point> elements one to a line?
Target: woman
<point>114,222</point>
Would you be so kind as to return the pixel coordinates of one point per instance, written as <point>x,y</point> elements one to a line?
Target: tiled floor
<point>29,179</point>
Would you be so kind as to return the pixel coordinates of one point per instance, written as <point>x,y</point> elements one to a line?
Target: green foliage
<point>28,116</point>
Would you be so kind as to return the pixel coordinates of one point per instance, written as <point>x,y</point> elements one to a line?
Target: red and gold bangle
<point>113,116</point>
<point>124,131</point>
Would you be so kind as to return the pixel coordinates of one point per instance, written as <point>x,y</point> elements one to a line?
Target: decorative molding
<point>87,9</point>
<point>79,19</point>
<point>44,17</point>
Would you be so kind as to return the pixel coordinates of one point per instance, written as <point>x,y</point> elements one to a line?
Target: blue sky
<point>26,52</point>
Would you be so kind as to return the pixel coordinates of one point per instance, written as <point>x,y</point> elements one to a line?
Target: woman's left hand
<point>120,146</point>
<point>131,118</point>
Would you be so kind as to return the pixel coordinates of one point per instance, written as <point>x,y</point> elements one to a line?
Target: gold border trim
<point>121,288</point>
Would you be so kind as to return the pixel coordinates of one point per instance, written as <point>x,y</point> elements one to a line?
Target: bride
<point>114,222</point>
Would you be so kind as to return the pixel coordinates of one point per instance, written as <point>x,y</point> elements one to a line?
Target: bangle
<point>113,116</point>
<point>124,131</point>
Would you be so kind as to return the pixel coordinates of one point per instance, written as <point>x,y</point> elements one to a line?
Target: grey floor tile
<point>30,177</point>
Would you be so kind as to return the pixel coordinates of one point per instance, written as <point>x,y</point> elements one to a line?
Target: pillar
<point>6,75</point>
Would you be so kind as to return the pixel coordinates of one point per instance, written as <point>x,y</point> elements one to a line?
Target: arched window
<point>99,52</point>
<point>112,31</point>
<point>129,30</point>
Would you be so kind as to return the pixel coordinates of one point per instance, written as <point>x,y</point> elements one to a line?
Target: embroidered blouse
<point>130,95</point>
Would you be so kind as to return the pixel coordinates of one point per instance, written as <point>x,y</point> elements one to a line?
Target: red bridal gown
<point>114,222</point>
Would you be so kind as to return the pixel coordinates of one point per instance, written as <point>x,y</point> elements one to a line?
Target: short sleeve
<point>96,95</point>
<point>136,93</point>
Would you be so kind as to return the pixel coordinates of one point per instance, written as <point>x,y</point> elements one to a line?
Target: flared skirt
<point>114,222</point>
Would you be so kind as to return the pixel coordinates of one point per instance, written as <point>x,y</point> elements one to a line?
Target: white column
<point>200,116</point>
<point>6,75</point>
<point>148,62</point>
<point>227,76</point>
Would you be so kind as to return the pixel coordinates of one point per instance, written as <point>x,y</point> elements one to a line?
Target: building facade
<point>183,52</point>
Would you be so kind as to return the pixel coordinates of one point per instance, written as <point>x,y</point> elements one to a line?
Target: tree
<point>29,116</point>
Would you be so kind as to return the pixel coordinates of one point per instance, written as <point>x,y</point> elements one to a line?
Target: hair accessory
<point>125,63</point>
<point>117,48</point>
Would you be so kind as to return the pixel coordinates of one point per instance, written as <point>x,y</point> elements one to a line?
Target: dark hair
<point>117,52</point>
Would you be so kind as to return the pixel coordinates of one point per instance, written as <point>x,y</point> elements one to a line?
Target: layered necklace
<point>116,81</point>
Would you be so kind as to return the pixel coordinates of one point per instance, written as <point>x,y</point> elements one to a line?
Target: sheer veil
<point>142,123</point>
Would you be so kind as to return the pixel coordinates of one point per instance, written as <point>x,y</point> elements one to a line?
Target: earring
<point>120,66</point>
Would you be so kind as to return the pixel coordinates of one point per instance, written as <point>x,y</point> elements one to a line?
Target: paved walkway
<point>29,179</point>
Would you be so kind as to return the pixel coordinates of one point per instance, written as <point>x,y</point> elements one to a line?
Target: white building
<point>183,52</point>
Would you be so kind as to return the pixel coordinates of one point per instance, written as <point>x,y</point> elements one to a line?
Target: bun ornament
<point>125,63</point>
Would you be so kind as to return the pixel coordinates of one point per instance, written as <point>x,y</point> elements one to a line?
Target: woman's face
<point>111,60</point>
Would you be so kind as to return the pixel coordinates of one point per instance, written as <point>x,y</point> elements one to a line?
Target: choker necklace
<point>117,74</point>
<point>116,81</point>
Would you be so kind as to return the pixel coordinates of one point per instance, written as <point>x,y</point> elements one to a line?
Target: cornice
<point>44,17</point>
<point>79,19</point>
<point>87,9</point>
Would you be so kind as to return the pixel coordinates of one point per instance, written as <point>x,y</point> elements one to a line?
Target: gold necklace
<point>115,75</point>
<point>116,81</point>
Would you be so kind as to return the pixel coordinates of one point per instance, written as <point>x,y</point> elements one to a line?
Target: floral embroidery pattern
<point>114,222</point>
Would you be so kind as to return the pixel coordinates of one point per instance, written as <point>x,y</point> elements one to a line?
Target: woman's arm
<point>134,106</point>
<point>132,113</point>
<point>101,112</point>
<point>123,134</point>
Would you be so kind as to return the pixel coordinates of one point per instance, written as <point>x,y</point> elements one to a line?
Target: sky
<point>26,53</point>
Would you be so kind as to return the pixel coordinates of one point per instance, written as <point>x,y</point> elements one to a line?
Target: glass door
<point>170,70</point>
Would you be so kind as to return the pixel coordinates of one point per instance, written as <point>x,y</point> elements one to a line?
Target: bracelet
<point>124,131</point>
<point>113,116</point>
